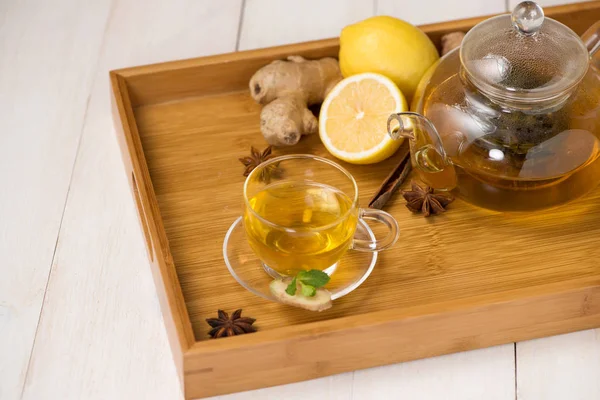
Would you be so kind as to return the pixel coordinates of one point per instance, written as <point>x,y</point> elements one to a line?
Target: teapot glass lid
<point>524,56</point>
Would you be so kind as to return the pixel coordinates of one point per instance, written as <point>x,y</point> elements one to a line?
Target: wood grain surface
<point>464,253</point>
<point>460,261</point>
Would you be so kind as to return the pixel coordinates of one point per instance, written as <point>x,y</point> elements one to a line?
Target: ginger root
<point>450,41</point>
<point>286,89</point>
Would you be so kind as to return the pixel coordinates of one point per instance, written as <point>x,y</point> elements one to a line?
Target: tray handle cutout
<point>142,218</point>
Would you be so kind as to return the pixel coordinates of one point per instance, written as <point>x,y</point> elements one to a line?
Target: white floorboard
<point>560,367</point>
<point>101,335</point>
<point>48,58</point>
<point>431,11</point>
<point>274,22</point>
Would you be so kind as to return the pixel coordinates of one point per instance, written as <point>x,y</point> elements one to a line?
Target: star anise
<point>225,325</point>
<point>255,159</point>
<point>423,199</point>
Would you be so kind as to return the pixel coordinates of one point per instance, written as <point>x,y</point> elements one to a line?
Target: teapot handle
<point>591,38</point>
<point>427,150</point>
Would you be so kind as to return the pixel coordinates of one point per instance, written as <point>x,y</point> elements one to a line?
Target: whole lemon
<point>388,46</point>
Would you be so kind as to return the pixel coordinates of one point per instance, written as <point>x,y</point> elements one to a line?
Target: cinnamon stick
<point>395,179</point>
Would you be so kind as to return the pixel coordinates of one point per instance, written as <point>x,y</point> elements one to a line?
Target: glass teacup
<point>301,213</point>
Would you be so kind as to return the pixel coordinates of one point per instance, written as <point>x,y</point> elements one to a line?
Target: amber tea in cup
<point>321,216</point>
<point>301,213</point>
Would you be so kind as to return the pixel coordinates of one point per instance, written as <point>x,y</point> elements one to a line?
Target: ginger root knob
<point>450,41</point>
<point>287,88</point>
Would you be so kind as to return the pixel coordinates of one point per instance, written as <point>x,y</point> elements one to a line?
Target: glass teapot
<point>510,121</point>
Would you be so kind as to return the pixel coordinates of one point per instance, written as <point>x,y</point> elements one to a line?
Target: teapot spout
<point>426,145</point>
<point>428,155</point>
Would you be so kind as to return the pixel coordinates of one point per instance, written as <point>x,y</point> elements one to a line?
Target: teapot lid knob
<point>527,17</point>
<point>523,57</point>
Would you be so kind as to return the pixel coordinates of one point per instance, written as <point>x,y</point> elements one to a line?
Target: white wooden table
<point>79,317</point>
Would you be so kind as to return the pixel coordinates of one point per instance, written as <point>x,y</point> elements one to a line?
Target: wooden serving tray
<point>464,280</point>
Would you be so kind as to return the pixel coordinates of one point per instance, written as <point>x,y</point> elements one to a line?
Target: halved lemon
<point>353,118</point>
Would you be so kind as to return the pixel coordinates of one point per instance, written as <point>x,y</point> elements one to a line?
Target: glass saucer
<point>351,271</point>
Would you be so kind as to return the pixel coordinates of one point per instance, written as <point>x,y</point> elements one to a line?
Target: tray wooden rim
<point>580,299</point>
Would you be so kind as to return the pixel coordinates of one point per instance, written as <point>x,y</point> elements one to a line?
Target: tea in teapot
<point>510,121</point>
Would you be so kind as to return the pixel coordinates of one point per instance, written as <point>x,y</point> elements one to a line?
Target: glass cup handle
<point>379,244</point>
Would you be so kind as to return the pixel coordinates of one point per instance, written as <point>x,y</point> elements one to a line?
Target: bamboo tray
<point>464,280</point>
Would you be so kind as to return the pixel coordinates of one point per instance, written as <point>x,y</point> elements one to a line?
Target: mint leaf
<point>314,278</point>
<point>291,289</point>
<point>307,290</point>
